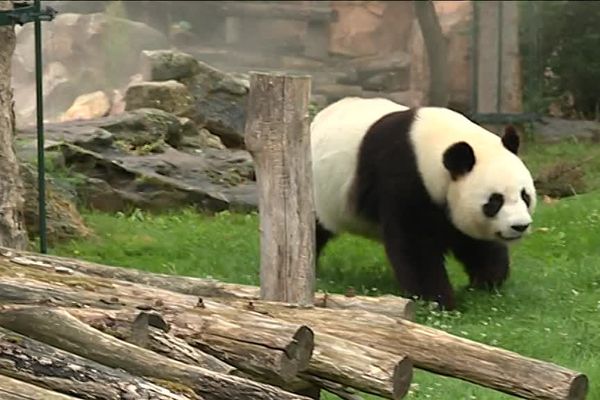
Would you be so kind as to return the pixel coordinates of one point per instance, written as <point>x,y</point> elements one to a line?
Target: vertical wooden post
<point>498,59</point>
<point>277,136</point>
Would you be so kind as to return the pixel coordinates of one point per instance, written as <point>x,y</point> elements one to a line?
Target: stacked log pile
<point>73,329</point>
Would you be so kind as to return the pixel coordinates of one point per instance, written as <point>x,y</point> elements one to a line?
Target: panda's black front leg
<point>487,263</point>
<point>418,264</point>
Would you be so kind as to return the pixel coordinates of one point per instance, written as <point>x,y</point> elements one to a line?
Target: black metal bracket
<point>25,12</point>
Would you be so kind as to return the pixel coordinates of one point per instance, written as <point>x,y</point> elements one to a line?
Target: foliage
<point>550,308</point>
<point>561,56</point>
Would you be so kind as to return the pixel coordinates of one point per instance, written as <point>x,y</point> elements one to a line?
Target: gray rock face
<point>220,103</point>
<point>164,65</point>
<point>134,160</point>
<point>219,98</point>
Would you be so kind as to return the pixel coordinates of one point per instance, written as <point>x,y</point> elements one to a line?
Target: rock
<point>127,161</point>
<point>88,106</point>
<point>118,103</point>
<point>63,221</point>
<point>164,65</point>
<point>144,127</point>
<point>85,46</point>
<point>135,131</point>
<point>220,103</point>
<point>211,180</point>
<point>551,129</point>
<point>203,139</point>
<point>170,96</point>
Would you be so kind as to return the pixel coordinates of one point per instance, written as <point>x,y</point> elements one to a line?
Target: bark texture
<point>12,222</point>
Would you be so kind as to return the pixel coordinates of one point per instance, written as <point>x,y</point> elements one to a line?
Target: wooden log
<point>13,389</point>
<point>60,329</point>
<point>392,306</point>
<point>153,338</point>
<point>119,325</point>
<point>360,367</point>
<point>250,342</point>
<point>277,136</point>
<point>335,362</point>
<point>439,352</point>
<point>40,364</point>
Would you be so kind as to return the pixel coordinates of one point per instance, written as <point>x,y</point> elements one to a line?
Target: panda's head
<point>491,195</point>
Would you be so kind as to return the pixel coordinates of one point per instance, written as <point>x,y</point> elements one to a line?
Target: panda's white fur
<point>336,135</point>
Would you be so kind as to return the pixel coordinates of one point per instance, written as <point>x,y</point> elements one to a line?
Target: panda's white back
<point>336,135</point>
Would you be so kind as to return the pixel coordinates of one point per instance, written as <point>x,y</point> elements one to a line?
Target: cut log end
<point>302,347</point>
<point>402,377</point>
<point>579,387</point>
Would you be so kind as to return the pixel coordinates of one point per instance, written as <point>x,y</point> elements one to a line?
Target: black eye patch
<point>526,198</point>
<point>494,204</point>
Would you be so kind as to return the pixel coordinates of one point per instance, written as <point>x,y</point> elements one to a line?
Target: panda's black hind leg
<point>486,263</point>
<point>323,236</point>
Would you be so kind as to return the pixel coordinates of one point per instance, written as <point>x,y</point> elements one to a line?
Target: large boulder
<point>219,98</point>
<point>82,53</point>
<point>170,96</point>
<point>164,65</point>
<point>220,103</point>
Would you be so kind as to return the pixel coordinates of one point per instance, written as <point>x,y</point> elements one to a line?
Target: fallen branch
<point>60,329</point>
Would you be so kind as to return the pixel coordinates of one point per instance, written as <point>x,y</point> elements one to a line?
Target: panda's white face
<point>495,200</point>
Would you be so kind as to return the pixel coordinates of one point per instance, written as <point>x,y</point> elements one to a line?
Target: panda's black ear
<point>511,139</point>
<point>459,159</point>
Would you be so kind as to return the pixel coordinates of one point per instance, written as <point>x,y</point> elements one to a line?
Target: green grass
<point>549,309</point>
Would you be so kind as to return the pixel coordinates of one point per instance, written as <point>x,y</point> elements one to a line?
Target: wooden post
<point>498,62</point>
<point>277,136</point>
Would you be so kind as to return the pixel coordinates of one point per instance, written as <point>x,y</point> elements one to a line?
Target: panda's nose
<point>520,228</point>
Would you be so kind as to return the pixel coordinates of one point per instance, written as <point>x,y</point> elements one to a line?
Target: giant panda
<point>424,182</point>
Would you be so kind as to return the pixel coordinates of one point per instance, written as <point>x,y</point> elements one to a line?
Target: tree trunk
<point>12,223</point>
<point>435,44</point>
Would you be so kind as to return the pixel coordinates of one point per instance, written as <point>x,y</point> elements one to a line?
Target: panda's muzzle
<point>508,239</point>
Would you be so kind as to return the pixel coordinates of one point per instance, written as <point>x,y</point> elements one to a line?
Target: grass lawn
<point>549,309</point>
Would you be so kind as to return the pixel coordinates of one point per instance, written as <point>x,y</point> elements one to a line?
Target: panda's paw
<point>490,284</point>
